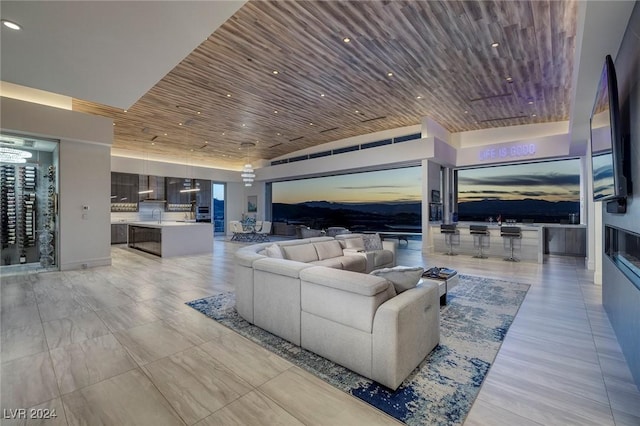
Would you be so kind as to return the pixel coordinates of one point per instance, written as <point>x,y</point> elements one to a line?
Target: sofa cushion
<point>402,277</point>
<point>354,263</point>
<point>333,262</point>
<point>328,249</point>
<point>301,253</point>
<point>354,243</point>
<point>382,257</point>
<point>274,251</point>
<point>372,242</point>
<point>283,267</point>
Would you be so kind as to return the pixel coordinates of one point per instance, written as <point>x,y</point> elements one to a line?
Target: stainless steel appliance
<point>203,214</point>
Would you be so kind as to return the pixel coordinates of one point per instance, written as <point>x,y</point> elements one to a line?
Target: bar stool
<point>451,234</point>
<point>510,233</point>
<point>480,236</point>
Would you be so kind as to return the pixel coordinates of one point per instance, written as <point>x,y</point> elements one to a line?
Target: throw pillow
<point>372,242</point>
<point>402,277</point>
<point>274,251</point>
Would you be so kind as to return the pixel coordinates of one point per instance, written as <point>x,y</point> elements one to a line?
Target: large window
<point>374,201</point>
<point>545,192</point>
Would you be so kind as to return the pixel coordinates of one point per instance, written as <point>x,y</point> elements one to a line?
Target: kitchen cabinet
<point>124,190</point>
<point>565,240</point>
<point>155,184</point>
<point>118,233</point>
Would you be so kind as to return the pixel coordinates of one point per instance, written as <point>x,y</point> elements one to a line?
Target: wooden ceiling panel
<point>440,55</point>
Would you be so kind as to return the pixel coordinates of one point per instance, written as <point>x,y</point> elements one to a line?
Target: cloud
<point>552,179</point>
<point>361,187</point>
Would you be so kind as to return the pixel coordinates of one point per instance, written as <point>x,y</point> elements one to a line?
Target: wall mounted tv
<point>607,143</point>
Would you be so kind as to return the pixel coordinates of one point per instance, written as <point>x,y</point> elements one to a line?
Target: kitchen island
<point>168,239</point>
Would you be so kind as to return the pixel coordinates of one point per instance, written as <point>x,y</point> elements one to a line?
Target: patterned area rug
<point>442,388</point>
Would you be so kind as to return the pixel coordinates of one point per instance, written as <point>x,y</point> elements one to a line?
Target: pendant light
<point>247,174</point>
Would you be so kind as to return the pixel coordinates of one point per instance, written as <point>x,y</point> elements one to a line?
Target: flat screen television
<point>607,144</point>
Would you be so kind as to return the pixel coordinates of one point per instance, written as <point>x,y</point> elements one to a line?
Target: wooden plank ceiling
<point>227,91</point>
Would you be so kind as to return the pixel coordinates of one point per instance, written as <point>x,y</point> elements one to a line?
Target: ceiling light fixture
<point>275,111</point>
<point>509,79</point>
<point>418,97</point>
<point>247,174</point>
<point>11,155</point>
<point>275,72</point>
<point>228,95</point>
<point>148,191</point>
<point>389,74</point>
<point>533,115</point>
<point>530,102</point>
<point>346,39</point>
<point>11,24</point>
<point>322,95</point>
<point>495,44</point>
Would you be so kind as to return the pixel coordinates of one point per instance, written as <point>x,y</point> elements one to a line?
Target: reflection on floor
<point>117,345</point>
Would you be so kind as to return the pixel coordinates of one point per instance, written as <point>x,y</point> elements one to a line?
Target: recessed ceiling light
<point>165,134</point>
<point>275,111</point>
<point>310,124</point>
<point>357,111</point>
<point>389,74</point>
<point>466,112</point>
<point>530,102</point>
<point>278,133</point>
<point>346,39</point>
<point>198,112</point>
<point>179,124</point>
<point>275,72</point>
<point>223,133</point>
<point>228,95</point>
<point>495,44</point>
<point>533,115</point>
<point>244,125</point>
<point>509,79</point>
<point>125,110</point>
<point>322,95</point>
<point>114,124</point>
<point>418,97</point>
<point>206,141</point>
<point>153,143</point>
<point>12,25</point>
<point>192,150</point>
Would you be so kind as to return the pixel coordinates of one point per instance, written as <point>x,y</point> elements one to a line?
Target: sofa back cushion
<point>354,243</point>
<point>300,253</point>
<point>328,249</point>
<point>274,251</point>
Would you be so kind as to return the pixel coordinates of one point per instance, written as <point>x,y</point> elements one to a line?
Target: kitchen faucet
<point>159,214</point>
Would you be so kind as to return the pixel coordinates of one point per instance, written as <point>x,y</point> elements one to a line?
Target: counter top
<point>524,226</point>
<point>168,224</point>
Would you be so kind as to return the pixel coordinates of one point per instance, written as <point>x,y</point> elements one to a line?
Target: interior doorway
<point>218,203</point>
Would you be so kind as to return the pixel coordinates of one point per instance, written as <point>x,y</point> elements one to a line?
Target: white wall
<point>84,176</point>
<point>85,180</point>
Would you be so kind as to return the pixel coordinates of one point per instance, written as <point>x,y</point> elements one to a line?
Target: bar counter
<point>537,239</point>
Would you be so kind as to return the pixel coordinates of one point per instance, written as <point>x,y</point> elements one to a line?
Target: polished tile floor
<point>116,345</point>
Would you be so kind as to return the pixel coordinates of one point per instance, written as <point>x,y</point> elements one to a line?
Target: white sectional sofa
<point>328,305</point>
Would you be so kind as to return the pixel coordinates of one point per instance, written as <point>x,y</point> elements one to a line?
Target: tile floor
<point>116,345</point>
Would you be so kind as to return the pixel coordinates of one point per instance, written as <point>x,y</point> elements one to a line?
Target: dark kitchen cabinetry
<point>124,191</point>
<point>151,187</point>
<point>118,233</point>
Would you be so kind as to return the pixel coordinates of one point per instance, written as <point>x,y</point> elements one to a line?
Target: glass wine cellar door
<point>28,203</point>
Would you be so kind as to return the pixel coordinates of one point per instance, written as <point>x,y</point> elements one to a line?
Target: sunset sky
<point>398,185</point>
<point>550,181</point>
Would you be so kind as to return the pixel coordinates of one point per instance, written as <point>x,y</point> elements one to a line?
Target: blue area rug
<point>441,390</point>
